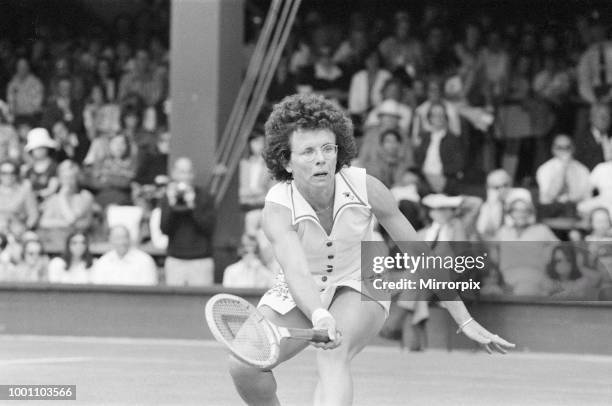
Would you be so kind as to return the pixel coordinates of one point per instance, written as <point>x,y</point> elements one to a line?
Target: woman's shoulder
<point>280,193</point>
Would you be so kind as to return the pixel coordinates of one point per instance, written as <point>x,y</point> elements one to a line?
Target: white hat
<point>442,201</point>
<point>389,108</point>
<point>39,138</point>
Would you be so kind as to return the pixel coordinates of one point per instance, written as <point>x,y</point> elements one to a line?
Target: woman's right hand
<point>328,323</point>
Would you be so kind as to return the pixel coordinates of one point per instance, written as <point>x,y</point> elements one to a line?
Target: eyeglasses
<point>309,154</point>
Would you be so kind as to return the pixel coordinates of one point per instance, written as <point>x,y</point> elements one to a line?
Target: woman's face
<point>8,175</point>
<point>40,153</point>
<point>308,164</point>
<point>131,121</point>
<point>256,146</point>
<point>118,147</point>
<point>437,117</point>
<point>67,176</point>
<point>77,245</point>
<point>562,265</point>
<point>390,144</point>
<point>60,132</point>
<point>521,213</point>
<point>32,253</point>
<point>600,222</point>
<point>96,95</point>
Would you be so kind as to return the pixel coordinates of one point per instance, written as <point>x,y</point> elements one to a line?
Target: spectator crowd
<point>485,130</point>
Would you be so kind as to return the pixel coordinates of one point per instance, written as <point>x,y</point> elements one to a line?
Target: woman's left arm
<point>399,228</point>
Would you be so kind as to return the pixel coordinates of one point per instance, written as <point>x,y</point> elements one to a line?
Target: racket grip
<point>319,336</point>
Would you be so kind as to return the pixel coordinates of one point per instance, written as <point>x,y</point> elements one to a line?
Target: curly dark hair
<point>305,112</point>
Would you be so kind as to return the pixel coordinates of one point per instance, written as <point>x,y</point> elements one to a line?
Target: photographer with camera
<point>188,219</point>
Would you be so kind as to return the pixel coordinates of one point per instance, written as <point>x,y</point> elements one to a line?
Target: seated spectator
<point>283,83</point>
<point>67,142</point>
<point>408,187</point>
<point>440,154</point>
<point>10,146</point>
<point>366,87</point>
<point>391,105</point>
<point>24,94</point>
<point>350,53</point>
<point>17,201</point>
<point>32,266</point>
<point>101,118</point>
<point>562,181</point>
<point>600,182</point>
<point>64,106</point>
<point>6,259</point>
<point>521,260</point>
<point>422,122</point>
<point>112,178</point>
<point>75,264</point>
<point>600,224</point>
<point>249,272</point>
<point>389,163</point>
<point>254,177</point>
<point>594,145</point>
<point>188,219</point>
<point>41,171</point>
<point>491,216</point>
<point>143,79</point>
<point>324,77</point>
<point>124,264</point>
<point>402,50</point>
<point>566,279</point>
<point>69,208</point>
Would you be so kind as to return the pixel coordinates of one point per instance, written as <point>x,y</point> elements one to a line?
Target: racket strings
<point>243,330</point>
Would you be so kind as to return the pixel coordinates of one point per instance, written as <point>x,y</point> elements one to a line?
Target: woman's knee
<point>242,372</point>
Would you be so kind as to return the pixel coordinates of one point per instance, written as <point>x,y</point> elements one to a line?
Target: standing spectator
<point>124,264</point>
<point>188,219</point>
<point>69,208</point>
<point>41,171</point>
<point>594,145</point>
<point>366,87</point>
<point>254,177</point>
<point>75,264</point>
<point>562,181</point>
<point>249,272</point>
<point>494,63</point>
<point>17,201</point>
<point>112,178</point>
<point>24,94</point>
<point>441,154</point>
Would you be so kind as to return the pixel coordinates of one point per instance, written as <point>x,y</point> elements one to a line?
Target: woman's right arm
<point>290,255</point>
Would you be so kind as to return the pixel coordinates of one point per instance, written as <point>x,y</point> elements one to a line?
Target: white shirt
<point>59,274</point>
<point>134,268</point>
<point>605,142</point>
<point>601,179</point>
<point>339,251</point>
<point>550,178</point>
<point>360,87</point>
<point>433,161</point>
<point>244,275</point>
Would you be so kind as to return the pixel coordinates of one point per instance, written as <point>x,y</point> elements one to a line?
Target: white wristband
<point>319,314</point>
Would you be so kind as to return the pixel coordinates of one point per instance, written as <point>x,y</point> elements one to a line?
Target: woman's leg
<point>256,386</point>
<point>359,321</point>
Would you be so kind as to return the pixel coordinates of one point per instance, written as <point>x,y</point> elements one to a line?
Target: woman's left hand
<point>490,341</point>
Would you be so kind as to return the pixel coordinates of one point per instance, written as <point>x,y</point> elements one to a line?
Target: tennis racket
<point>248,334</point>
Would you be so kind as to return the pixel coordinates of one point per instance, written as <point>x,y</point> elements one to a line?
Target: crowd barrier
<point>171,312</point>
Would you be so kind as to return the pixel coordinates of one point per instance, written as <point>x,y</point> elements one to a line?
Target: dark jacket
<point>189,231</point>
<point>452,153</point>
<point>588,151</point>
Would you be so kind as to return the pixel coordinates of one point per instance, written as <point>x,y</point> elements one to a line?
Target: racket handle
<point>307,334</point>
<point>319,336</point>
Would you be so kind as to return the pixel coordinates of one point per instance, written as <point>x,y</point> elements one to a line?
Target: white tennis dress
<point>334,260</point>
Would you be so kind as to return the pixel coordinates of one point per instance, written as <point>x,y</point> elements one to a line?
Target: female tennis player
<point>316,218</point>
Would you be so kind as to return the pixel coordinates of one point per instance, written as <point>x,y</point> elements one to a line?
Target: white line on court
<point>213,344</point>
<point>57,360</point>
